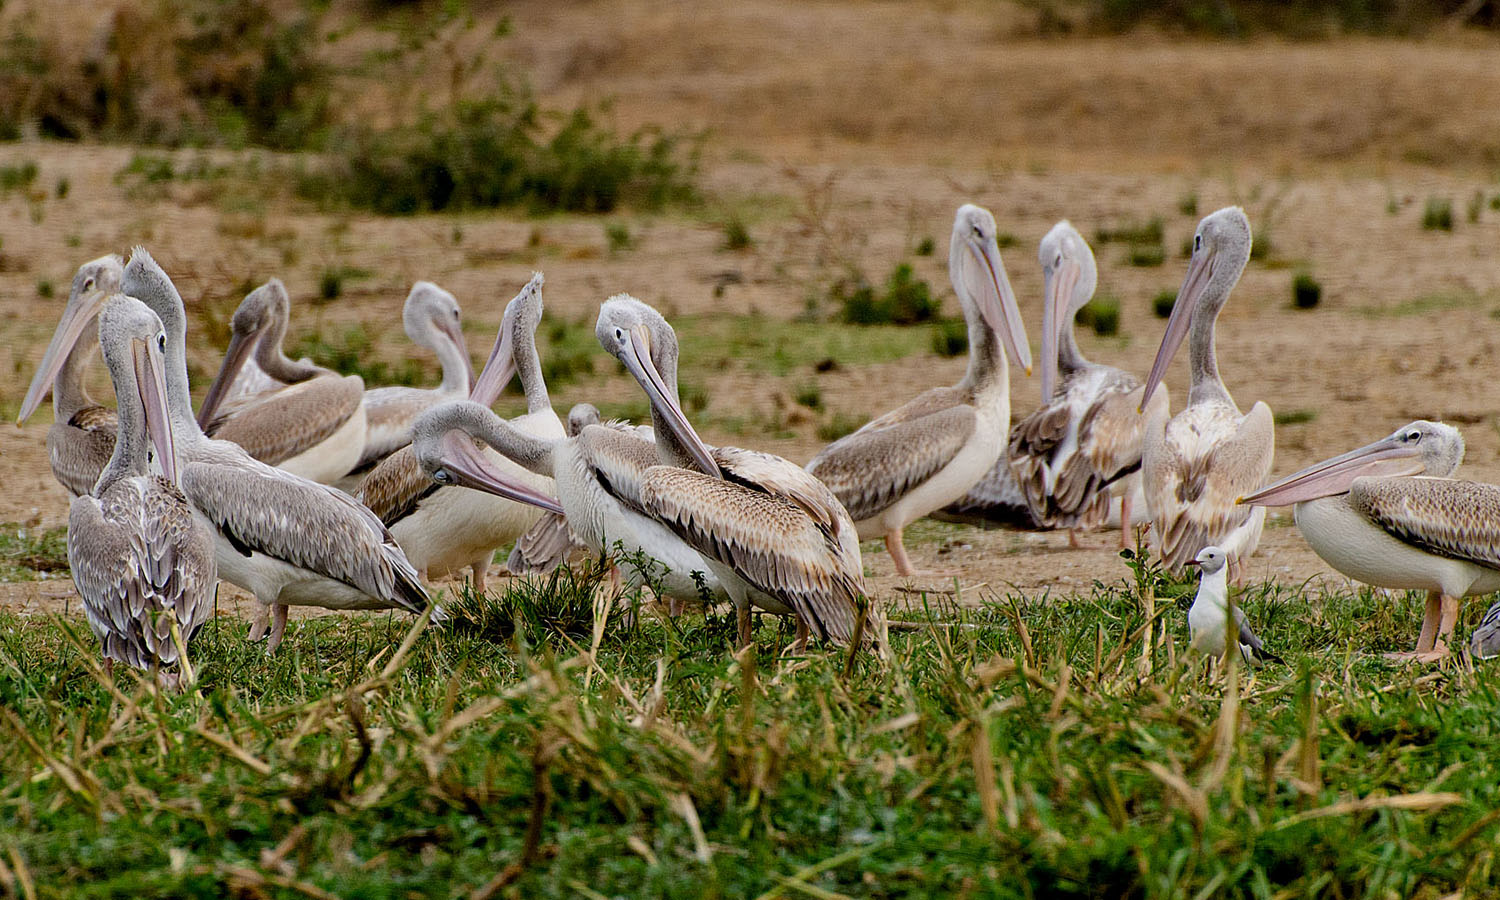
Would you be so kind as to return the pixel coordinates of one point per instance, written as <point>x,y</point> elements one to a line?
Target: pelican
<point>82,435</point>
<point>283,538</point>
<point>142,563</point>
<point>1367,516</point>
<point>307,420</point>
<point>1208,619</point>
<point>924,455</point>
<point>1195,465</point>
<point>433,320</point>
<point>443,529</point>
<point>1086,438</point>
<point>550,542</point>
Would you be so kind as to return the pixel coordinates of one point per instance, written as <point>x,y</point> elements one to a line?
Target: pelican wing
<point>769,540</point>
<point>874,467</point>
<point>544,547</point>
<point>997,500</point>
<point>140,562</point>
<point>1196,471</point>
<point>1452,518</point>
<point>315,527</point>
<point>620,454</point>
<point>282,424</point>
<point>395,487</point>
<point>389,413</point>
<point>80,448</point>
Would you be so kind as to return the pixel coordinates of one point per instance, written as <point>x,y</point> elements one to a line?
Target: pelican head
<point>522,315</point>
<point>445,440</point>
<point>979,279</point>
<point>1221,247</point>
<point>1421,448</point>
<point>264,310</point>
<point>135,347</point>
<point>1210,560</point>
<point>581,416</point>
<point>94,282</point>
<point>646,345</point>
<point>145,280</point>
<point>432,319</point>
<point>1070,276</point>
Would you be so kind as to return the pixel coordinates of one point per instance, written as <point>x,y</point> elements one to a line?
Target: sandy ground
<point>841,136</point>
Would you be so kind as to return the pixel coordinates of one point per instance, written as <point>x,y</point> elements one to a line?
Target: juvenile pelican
<point>433,320</point>
<point>1208,619</point>
<point>307,420</point>
<point>142,563</point>
<point>1195,465</point>
<point>1367,516</point>
<point>281,537</point>
<point>927,453</point>
<point>550,542</point>
<point>443,529</point>
<point>1085,441</point>
<point>82,435</point>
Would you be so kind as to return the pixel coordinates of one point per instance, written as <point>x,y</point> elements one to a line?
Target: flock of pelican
<point>305,487</point>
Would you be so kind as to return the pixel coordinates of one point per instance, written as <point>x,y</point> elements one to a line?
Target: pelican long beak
<point>985,280</point>
<point>76,318</point>
<point>455,333</point>
<point>1388,457</point>
<point>1200,270</point>
<point>472,470</point>
<point>498,369</point>
<point>637,359</point>
<point>235,355</point>
<point>151,386</point>
<point>1057,296</point>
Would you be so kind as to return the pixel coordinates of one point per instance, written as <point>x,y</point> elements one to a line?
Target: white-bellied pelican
<point>443,529</point>
<point>283,538</point>
<point>550,542</point>
<point>927,453</point>
<point>306,419</point>
<point>1195,465</point>
<point>1388,515</point>
<point>142,562</point>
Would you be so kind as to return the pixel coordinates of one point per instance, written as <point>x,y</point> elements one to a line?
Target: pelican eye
<point>1414,436</point>
<point>619,335</point>
<point>88,284</point>
<point>161,342</point>
<point>442,476</point>
<point>1197,242</point>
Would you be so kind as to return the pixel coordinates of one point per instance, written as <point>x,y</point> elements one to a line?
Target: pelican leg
<point>1125,521</point>
<point>1438,620</point>
<point>261,621</point>
<point>278,627</point>
<point>799,644</point>
<point>742,615</point>
<point>1073,538</point>
<point>481,569</point>
<point>897,550</point>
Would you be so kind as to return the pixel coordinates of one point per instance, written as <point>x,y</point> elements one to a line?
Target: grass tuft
<point>1437,214</point>
<point>1101,314</point>
<point>1307,291</point>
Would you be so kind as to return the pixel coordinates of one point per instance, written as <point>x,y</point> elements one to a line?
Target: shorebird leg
<point>278,627</point>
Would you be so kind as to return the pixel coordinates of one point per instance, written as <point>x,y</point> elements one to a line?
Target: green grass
<point>1048,748</point>
<point>1424,304</point>
<point>1296,417</point>
<point>28,553</point>
<point>764,344</point>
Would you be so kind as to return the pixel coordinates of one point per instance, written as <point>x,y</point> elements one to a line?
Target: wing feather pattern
<point>1446,516</point>
<point>874,467</point>
<point>80,448</point>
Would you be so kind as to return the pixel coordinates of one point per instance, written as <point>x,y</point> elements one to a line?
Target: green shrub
<point>736,234</point>
<point>352,354</point>
<point>17,176</point>
<point>1101,314</point>
<point>950,337</point>
<point>1132,233</point>
<point>1437,214</point>
<point>44,288</point>
<point>617,235</point>
<point>907,299</point>
<point>1146,255</point>
<point>1188,205</point>
<point>809,395</point>
<point>1306,291</point>
<point>1163,303</point>
<point>331,284</point>
<point>925,246</point>
<point>840,425</point>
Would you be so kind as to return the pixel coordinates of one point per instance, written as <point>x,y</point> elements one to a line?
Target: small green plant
<point>1437,214</point>
<point>17,176</point>
<point>1307,291</point>
<point>907,299</point>
<point>809,395</point>
<point>925,246</point>
<point>1150,232</point>
<point>1295,417</point>
<point>950,337</point>
<point>63,185</point>
<point>44,287</point>
<point>352,353</point>
<point>1188,205</point>
<point>1101,314</point>
<point>840,425</point>
<point>1146,255</point>
<point>331,284</point>
<point>148,168</point>
<point>1495,202</point>
<point>618,237</point>
<point>1162,304</point>
<point>1005,240</point>
<point>736,234</point>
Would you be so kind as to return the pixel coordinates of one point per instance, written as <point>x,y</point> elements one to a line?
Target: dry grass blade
<point>238,753</point>
<point>1416,802</point>
<point>682,804</point>
<point>22,875</point>
<point>1192,798</point>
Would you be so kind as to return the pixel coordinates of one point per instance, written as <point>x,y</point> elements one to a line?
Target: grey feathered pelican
<point>290,414</point>
<point>281,537</point>
<point>143,564</point>
<point>930,451</point>
<point>82,435</point>
<point>550,542</point>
